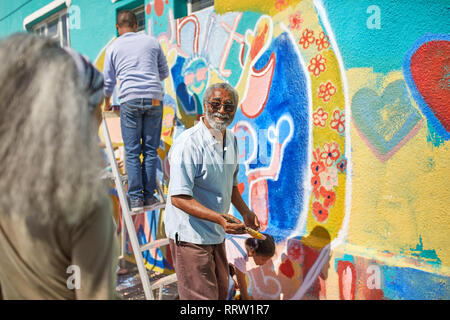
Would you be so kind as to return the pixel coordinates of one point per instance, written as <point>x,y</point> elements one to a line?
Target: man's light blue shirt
<point>138,61</point>
<point>200,167</point>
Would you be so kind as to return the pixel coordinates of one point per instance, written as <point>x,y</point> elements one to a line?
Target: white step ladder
<point>120,181</point>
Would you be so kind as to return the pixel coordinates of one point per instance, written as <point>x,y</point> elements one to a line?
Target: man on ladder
<point>138,61</point>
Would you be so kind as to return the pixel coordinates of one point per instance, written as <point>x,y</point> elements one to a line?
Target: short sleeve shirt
<point>204,169</point>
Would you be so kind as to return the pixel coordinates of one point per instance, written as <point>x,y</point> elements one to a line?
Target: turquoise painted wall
<point>12,14</point>
<point>402,22</point>
<point>93,28</point>
<point>93,22</point>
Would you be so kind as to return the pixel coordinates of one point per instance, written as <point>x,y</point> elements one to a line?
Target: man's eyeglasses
<point>228,107</point>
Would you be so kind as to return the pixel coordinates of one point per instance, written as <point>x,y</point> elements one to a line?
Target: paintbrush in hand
<point>254,233</point>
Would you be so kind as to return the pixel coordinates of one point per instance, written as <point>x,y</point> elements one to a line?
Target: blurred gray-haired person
<point>57,234</point>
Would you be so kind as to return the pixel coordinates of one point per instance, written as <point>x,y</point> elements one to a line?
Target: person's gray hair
<point>221,85</point>
<point>50,159</point>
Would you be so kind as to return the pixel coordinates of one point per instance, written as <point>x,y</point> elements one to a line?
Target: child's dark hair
<point>262,247</point>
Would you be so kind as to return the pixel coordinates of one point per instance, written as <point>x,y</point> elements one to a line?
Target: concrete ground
<point>130,287</point>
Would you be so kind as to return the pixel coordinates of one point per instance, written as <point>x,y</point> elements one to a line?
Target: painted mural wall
<point>343,129</point>
<point>343,159</point>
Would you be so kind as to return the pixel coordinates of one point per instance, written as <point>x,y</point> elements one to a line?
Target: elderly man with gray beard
<point>203,183</point>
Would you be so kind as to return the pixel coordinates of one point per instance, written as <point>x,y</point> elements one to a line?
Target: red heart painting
<point>427,72</point>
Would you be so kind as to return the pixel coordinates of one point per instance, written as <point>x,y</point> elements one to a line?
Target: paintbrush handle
<point>255,234</point>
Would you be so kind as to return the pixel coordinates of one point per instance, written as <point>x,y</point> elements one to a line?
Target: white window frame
<point>30,25</point>
<point>60,15</point>
<point>189,6</point>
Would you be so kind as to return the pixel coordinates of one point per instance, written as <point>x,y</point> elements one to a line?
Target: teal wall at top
<point>12,14</point>
<point>96,28</point>
<point>401,24</point>
<point>96,24</point>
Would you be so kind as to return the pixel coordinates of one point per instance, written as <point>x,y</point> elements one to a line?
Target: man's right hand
<point>191,206</point>
<point>232,225</point>
<point>108,105</point>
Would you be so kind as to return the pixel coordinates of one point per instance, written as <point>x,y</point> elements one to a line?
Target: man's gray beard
<point>216,124</point>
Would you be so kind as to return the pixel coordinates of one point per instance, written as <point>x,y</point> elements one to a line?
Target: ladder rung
<point>127,222</point>
<point>156,206</point>
<point>154,244</point>
<point>164,281</point>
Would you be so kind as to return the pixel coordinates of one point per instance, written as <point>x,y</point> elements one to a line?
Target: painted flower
<point>295,21</point>
<point>316,154</point>
<point>342,165</point>
<point>338,121</point>
<point>317,167</point>
<point>330,153</point>
<point>317,65</point>
<point>322,42</point>
<point>329,178</point>
<point>319,212</point>
<point>320,117</point>
<point>307,38</point>
<point>280,5</point>
<point>328,196</point>
<point>315,182</point>
<point>326,90</point>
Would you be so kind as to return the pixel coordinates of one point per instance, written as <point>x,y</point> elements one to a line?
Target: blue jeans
<point>141,123</point>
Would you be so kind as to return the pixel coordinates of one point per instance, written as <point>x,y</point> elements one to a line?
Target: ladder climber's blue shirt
<point>138,61</point>
<point>200,167</point>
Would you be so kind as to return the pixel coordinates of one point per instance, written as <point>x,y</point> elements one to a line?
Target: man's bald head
<point>126,22</point>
